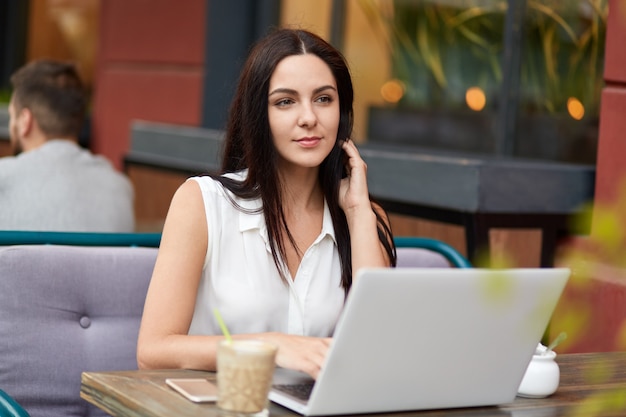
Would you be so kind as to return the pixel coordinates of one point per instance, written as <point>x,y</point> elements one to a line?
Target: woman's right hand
<point>300,353</point>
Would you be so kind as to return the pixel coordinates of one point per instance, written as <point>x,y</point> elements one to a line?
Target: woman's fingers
<point>353,188</point>
<point>301,353</point>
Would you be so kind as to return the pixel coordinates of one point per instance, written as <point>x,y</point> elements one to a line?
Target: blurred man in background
<point>52,183</point>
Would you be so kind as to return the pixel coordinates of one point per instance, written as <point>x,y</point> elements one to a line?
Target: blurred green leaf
<point>5,96</point>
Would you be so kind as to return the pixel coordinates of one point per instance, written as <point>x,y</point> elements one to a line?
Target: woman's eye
<point>325,99</point>
<point>284,102</point>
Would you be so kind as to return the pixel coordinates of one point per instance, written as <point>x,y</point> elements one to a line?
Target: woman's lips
<point>309,142</point>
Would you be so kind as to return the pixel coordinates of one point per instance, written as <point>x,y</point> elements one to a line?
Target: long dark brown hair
<point>248,143</point>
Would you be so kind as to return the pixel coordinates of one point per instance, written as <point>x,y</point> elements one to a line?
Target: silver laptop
<point>415,338</point>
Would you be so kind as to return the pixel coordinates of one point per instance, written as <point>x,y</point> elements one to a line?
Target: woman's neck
<point>302,190</point>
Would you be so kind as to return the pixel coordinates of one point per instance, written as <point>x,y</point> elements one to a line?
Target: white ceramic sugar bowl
<point>542,375</point>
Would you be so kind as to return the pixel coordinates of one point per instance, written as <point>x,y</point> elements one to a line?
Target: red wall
<point>150,67</point>
<point>611,169</point>
<point>593,307</point>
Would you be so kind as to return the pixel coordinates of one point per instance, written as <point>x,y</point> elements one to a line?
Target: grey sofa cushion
<point>65,310</point>
<point>420,258</point>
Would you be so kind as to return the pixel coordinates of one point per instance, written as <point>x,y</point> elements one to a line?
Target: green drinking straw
<point>561,337</point>
<point>220,321</point>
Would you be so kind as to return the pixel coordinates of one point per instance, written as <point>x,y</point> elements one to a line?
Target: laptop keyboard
<point>300,391</point>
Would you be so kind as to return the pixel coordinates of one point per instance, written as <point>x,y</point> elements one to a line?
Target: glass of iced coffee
<point>244,375</point>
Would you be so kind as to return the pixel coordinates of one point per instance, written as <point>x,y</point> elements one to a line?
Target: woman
<point>272,242</point>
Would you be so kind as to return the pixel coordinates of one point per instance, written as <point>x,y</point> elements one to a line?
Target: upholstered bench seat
<point>65,310</point>
<point>75,305</point>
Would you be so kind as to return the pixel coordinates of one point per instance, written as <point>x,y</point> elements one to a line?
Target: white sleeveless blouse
<point>239,276</point>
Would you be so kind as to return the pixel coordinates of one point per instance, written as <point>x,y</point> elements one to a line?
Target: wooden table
<point>589,382</point>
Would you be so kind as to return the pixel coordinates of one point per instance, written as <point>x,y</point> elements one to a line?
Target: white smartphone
<point>198,390</point>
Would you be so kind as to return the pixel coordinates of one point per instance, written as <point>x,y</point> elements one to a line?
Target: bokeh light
<point>575,108</point>
<point>392,91</point>
<point>475,98</point>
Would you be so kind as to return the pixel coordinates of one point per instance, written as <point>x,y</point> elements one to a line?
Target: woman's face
<point>303,111</point>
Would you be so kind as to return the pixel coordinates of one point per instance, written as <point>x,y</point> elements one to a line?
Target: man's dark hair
<point>54,93</point>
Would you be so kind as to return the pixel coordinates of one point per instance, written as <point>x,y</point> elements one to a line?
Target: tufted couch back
<point>65,310</point>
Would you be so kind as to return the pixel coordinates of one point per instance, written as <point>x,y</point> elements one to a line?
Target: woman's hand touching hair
<point>353,192</point>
